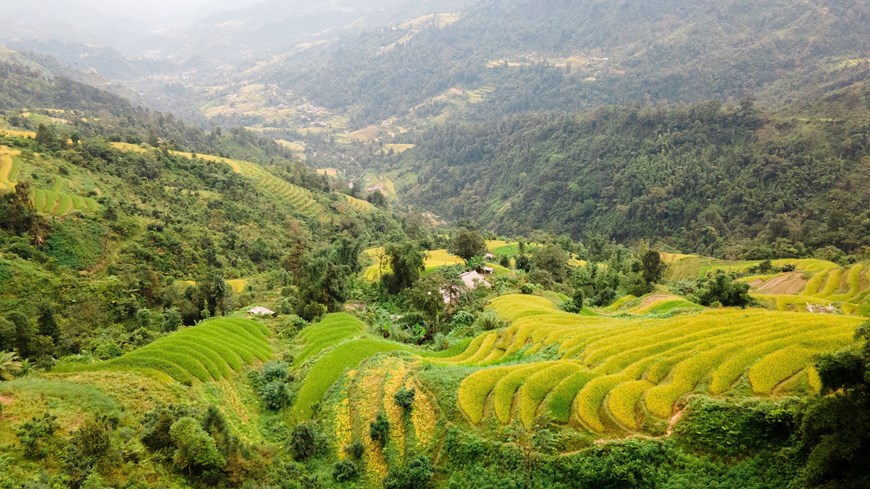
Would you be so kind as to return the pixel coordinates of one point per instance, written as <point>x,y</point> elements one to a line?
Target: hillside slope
<point>703,178</point>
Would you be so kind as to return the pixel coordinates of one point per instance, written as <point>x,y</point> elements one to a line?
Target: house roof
<point>474,279</point>
<point>260,311</point>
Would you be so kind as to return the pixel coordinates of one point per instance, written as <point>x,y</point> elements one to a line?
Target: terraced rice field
<point>434,259</point>
<point>59,203</point>
<point>214,350</point>
<point>689,267</point>
<point>52,202</point>
<point>18,134</point>
<point>847,289</point>
<point>369,389</point>
<point>359,205</point>
<point>653,304</point>
<point>10,167</point>
<point>301,199</point>
<point>337,343</point>
<point>610,374</point>
<point>398,148</point>
<point>814,284</point>
<point>238,285</point>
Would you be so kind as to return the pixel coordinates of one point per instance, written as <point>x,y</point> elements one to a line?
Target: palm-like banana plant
<point>9,365</point>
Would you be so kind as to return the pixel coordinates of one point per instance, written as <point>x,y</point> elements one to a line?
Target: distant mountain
<point>276,26</point>
<point>568,55</point>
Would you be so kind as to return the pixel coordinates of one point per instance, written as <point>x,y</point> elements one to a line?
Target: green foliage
<point>416,473</point>
<point>728,428</point>
<point>722,288</point>
<point>553,260</point>
<point>405,399</point>
<point>306,441</point>
<point>582,167</point>
<point>407,262</point>
<point>313,311</point>
<point>345,471</point>
<point>195,451</point>
<point>90,444</point>
<point>9,364</point>
<point>18,216</point>
<point>273,383</point>
<point>37,435</point>
<point>355,450</point>
<point>157,423</point>
<point>653,268</point>
<point>379,429</point>
<point>467,244</point>
<point>835,428</point>
<point>76,243</point>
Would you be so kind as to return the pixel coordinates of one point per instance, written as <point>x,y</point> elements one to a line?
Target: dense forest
<point>710,178</point>
<point>623,52</point>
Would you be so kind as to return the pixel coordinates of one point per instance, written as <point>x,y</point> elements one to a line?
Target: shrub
<point>416,474</point>
<point>733,428</point>
<point>405,399</point>
<point>313,311</point>
<point>94,437</point>
<point>36,435</point>
<point>489,320</point>
<point>157,423</point>
<point>88,445</point>
<point>276,395</point>
<point>379,429</point>
<point>276,370</point>
<point>196,451</point>
<point>722,288</point>
<point>355,450</point>
<point>345,471</point>
<point>305,441</point>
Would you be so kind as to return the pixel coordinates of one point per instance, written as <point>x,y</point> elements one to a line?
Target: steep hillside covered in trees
<point>708,177</point>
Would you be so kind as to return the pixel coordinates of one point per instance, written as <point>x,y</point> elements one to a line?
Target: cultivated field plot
<point>370,389</point>
<point>10,167</point>
<point>846,288</point>
<point>328,348</point>
<point>619,375</point>
<point>297,197</point>
<point>46,201</point>
<point>813,286</point>
<point>359,205</point>
<point>434,259</point>
<point>214,350</point>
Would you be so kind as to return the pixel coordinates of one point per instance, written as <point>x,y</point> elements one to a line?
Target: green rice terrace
<point>215,350</point>
<point>54,200</point>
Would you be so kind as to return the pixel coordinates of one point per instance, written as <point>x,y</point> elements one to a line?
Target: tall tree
<point>652,267</point>
<point>407,262</point>
<point>468,244</point>
<point>836,428</point>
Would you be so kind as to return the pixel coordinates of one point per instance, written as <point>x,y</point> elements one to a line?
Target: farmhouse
<point>471,280</point>
<point>260,311</point>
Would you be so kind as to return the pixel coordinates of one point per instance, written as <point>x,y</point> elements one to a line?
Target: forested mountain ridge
<point>34,82</point>
<point>575,55</point>
<point>711,178</point>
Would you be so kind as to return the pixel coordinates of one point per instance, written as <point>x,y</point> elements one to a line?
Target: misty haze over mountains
<point>176,29</point>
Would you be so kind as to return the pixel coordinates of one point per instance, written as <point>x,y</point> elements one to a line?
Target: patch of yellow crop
<point>18,134</point>
<point>399,148</point>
